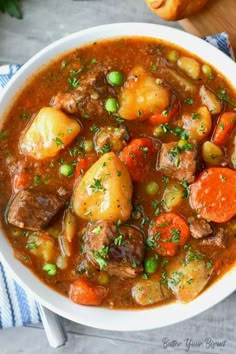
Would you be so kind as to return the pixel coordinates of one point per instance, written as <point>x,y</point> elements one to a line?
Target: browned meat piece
<point>33,211</point>
<point>119,251</point>
<point>200,228</point>
<point>87,98</point>
<point>176,163</point>
<point>112,138</point>
<point>218,240</point>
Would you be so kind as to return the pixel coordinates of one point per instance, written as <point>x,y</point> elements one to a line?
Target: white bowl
<point>122,320</point>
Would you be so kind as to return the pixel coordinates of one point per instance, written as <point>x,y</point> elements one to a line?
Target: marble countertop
<point>213,331</point>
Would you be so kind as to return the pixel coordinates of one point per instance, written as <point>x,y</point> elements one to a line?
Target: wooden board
<point>217,16</point>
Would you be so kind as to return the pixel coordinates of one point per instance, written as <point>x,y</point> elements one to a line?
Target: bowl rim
<point>104,318</point>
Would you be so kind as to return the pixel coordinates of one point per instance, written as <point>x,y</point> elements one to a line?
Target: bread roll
<point>172,10</point>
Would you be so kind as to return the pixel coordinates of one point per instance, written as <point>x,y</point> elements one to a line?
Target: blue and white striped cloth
<point>17,307</point>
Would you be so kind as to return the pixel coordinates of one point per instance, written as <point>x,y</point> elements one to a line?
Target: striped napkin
<point>17,307</point>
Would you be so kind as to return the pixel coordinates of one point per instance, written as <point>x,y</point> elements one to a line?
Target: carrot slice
<point>83,164</point>
<point>137,157</point>
<point>84,293</point>
<point>21,181</point>
<point>224,126</point>
<point>165,116</point>
<point>168,233</point>
<point>213,195</point>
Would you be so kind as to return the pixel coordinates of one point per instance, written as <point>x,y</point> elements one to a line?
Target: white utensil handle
<point>53,327</point>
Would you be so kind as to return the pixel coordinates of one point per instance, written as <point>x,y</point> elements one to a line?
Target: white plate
<point>100,317</point>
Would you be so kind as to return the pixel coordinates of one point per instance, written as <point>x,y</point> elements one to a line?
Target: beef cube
<point>218,240</point>
<point>32,210</point>
<point>200,228</point>
<point>121,250</point>
<point>177,163</point>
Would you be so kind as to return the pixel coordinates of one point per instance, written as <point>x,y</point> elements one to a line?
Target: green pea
<point>182,143</point>
<point>88,145</point>
<point>150,265</point>
<point>152,188</point>
<point>50,268</point>
<point>111,105</point>
<point>158,131</point>
<point>115,78</point>
<point>172,56</point>
<point>207,70</point>
<point>67,170</point>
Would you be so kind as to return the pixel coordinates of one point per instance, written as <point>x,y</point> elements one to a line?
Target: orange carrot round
<point>213,195</point>
<point>84,293</point>
<point>168,233</point>
<point>224,127</point>
<point>137,157</point>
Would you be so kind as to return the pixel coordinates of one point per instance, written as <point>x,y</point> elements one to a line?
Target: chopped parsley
<point>175,235</point>
<point>97,230</point>
<point>31,245</point>
<point>195,116</point>
<point>58,142</point>
<point>97,186</point>
<point>94,128</point>
<point>189,101</point>
<point>25,116</point>
<point>73,82</point>
<point>209,265</point>
<point>119,240</point>
<point>100,260</point>
<point>224,97</point>
<point>105,148</point>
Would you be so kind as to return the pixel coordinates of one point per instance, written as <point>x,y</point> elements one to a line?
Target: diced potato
<point>212,153</point>
<point>187,279</point>
<point>49,132</point>
<point>42,246</point>
<point>172,56</point>
<point>210,100</point>
<point>141,95</point>
<point>105,191</point>
<point>190,67</point>
<point>173,196</point>
<point>147,292</point>
<point>68,233</point>
<point>198,124</point>
<point>186,86</point>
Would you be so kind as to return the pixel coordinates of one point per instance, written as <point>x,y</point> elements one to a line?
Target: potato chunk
<point>212,153</point>
<point>198,124</point>
<point>187,279</point>
<point>105,191</point>
<point>141,95</point>
<point>41,246</point>
<point>147,292</point>
<point>173,196</point>
<point>189,66</point>
<point>49,132</point>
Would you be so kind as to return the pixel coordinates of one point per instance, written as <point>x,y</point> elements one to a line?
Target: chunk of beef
<point>87,98</point>
<point>33,211</point>
<point>112,137</point>
<point>121,250</point>
<point>200,228</point>
<point>176,163</point>
<point>218,240</point>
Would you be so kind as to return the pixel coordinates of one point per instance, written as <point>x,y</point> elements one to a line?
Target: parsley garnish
<point>105,148</point>
<point>100,260</point>
<point>74,83</point>
<point>97,186</point>
<point>97,230</point>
